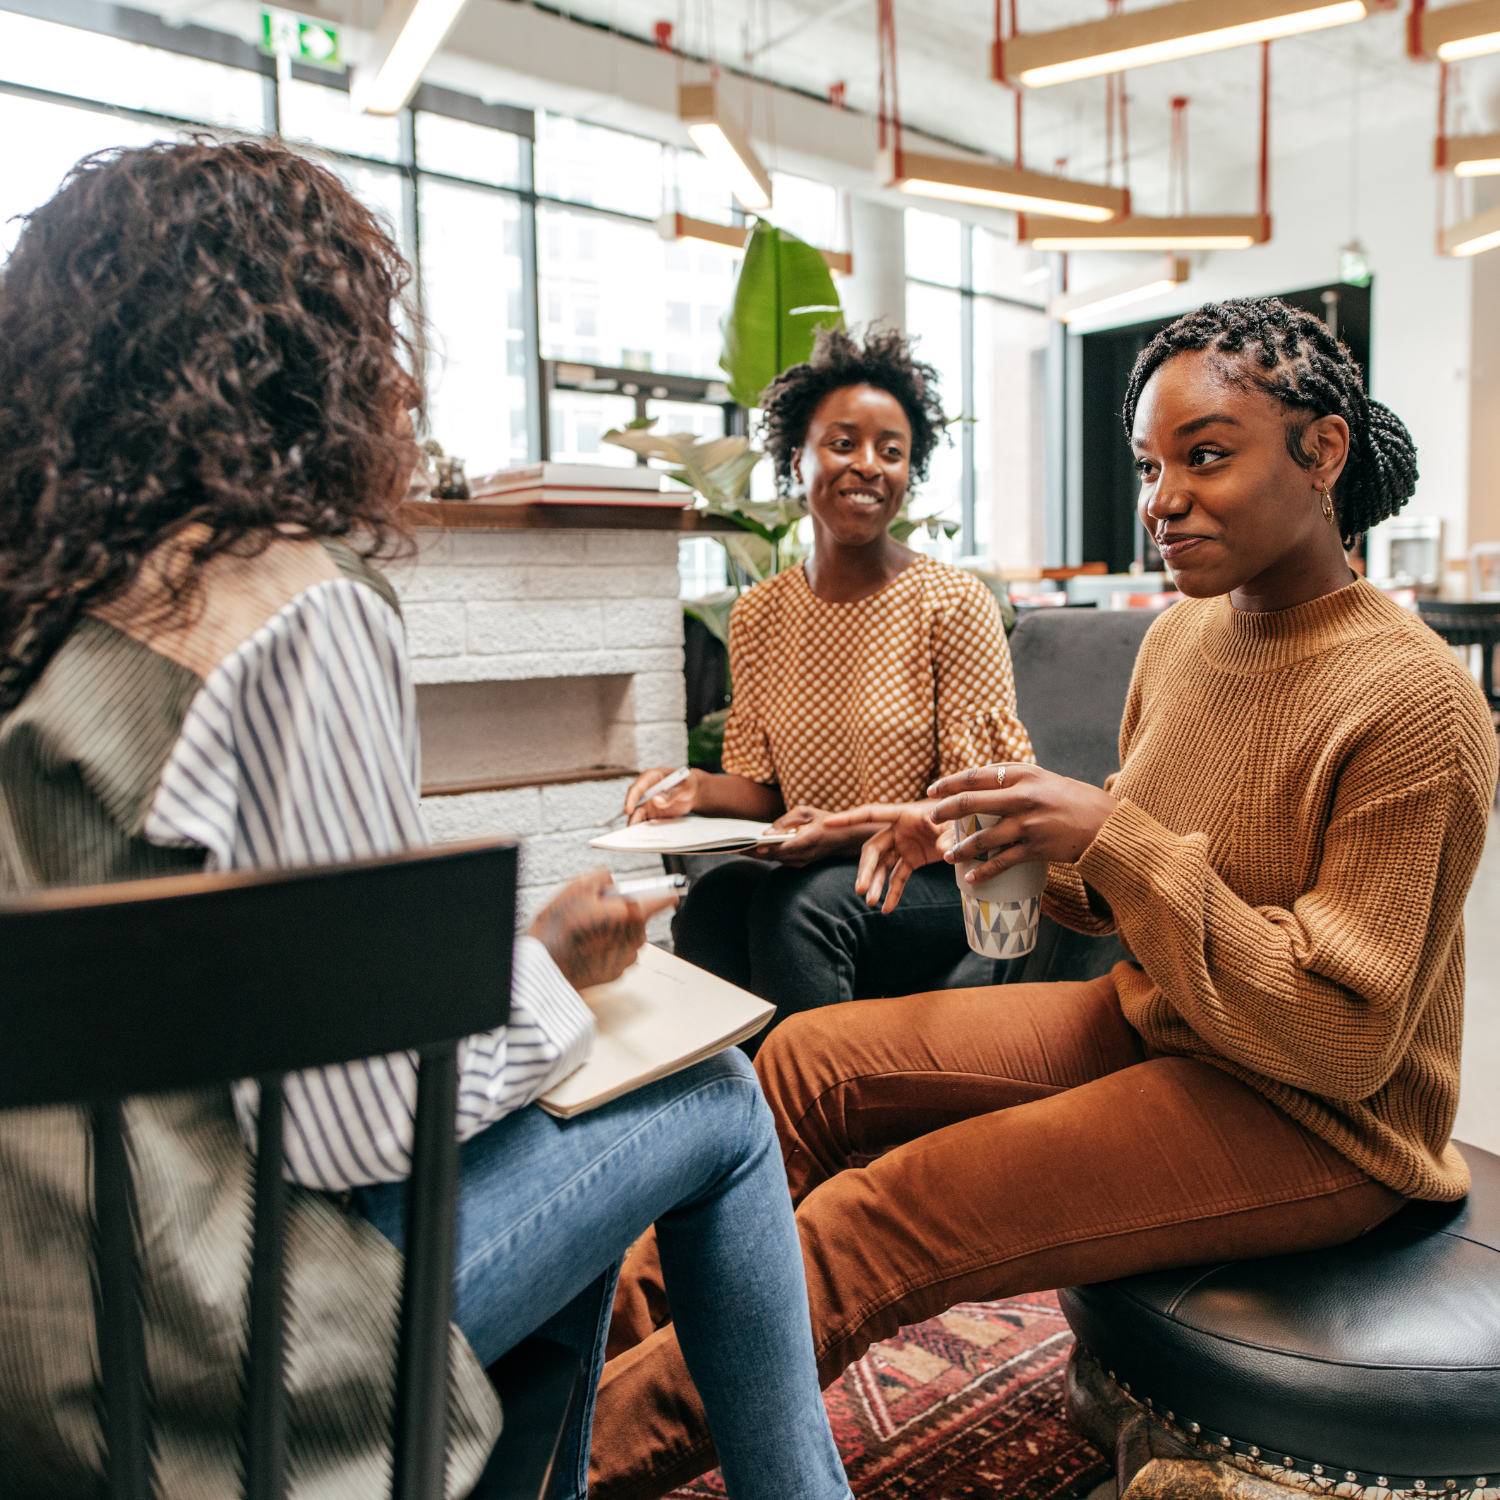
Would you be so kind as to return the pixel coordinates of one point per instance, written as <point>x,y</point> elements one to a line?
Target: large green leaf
<point>784,295</point>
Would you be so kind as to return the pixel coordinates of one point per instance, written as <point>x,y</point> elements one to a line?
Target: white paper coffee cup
<point>1002,914</point>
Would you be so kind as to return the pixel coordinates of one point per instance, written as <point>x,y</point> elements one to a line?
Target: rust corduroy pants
<point>1017,1139</point>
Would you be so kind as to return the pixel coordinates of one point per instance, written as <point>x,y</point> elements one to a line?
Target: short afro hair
<point>839,359</point>
<point>1291,356</point>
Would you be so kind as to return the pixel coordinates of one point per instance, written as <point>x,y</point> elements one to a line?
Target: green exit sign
<point>286,35</point>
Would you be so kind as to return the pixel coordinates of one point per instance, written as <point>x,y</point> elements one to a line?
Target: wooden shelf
<point>479,515</point>
<point>535,778</point>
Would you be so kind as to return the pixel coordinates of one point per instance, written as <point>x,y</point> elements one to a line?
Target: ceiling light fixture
<point>734,238</point>
<point>1474,236</point>
<point>996,186</point>
<point>1453,32</point>
<point>1185,232</point>
<point>1467,155</point>
<point>718,136</point>
<point>1152,280</point>
<point>731,237</point>
<point>1164,33</point>
<point>409,35</point>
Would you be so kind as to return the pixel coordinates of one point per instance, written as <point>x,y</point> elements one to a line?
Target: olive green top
<point>80,758</point>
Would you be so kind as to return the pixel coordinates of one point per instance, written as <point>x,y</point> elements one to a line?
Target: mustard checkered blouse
<point>840,704</point>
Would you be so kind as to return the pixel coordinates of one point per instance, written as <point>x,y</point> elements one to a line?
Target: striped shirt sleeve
<point>301,748</point>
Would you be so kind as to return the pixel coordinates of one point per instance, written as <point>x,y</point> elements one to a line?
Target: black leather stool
<point>1373,1367</point>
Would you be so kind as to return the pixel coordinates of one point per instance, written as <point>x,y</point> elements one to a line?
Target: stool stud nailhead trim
<point>1249,1456</point>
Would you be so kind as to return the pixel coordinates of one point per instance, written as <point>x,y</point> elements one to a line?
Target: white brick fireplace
<point>548,667</point>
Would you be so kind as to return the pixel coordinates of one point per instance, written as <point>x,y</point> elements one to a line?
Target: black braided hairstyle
<point>1290,355</point>
<point>839,359</point>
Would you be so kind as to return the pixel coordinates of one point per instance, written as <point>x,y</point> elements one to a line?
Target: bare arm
<point>702,792</point>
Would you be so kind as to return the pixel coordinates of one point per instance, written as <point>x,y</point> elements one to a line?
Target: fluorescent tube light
<point>1161,275</point>
<point>995,186</point>
<point>1467,155</point>
<point>1162,33</point>
<point>1454,32</point>
<point>1187,232</point>
<point>1474,236</point>
<point>716,134</point>
<point>409,34</point>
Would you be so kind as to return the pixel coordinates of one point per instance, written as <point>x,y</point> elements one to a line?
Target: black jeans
<point>802,938</point>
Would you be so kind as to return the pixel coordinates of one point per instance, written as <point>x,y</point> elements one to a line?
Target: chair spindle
<point>265,1388</point>
<point>427,1288</point>
<point>122,1344</point>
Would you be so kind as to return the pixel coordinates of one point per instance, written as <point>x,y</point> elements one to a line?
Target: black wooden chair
<point>104,999</point>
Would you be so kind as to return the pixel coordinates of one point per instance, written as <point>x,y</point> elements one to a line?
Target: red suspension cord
<point>1263,206</point>
<point>890,106</point>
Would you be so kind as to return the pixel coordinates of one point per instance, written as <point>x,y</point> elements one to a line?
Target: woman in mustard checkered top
<point>859,676</point>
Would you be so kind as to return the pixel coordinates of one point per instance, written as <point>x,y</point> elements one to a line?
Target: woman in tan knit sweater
<point>1307,778</point>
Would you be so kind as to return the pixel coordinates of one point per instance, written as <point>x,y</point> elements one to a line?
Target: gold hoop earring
<point>1327,505</point>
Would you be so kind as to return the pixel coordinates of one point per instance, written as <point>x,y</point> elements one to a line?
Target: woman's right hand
<point>910,839</point>
<point>594,938</point>
<point>677,803</point>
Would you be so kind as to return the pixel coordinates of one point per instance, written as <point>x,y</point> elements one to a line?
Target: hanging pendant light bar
<point>1185,232</point>
<point>406,40</point>
<point>987,184</point>
<point>1163,33</point>
<point>717,134</point>
<point>1453,32</point>
<point>1468,155</point>
<point>678,228</point>
<point>1474,236</point>
<point>995,186</point>
<point>1151,280</point>
<point>1181,231</point>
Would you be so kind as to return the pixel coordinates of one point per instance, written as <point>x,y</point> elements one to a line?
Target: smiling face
<point>855,463</point>
<point>1230,508</point>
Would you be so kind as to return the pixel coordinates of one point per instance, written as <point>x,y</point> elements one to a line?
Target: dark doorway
<point>1110,532</point>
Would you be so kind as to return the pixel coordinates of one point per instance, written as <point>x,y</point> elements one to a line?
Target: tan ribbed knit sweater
<point>1304,797</point>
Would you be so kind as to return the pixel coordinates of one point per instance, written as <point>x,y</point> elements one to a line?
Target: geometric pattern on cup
<point>1002,929</point>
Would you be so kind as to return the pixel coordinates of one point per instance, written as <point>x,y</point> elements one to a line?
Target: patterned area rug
<point>967,1405</point>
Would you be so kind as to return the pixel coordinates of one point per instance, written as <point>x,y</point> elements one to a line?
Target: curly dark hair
<point>1291,356</point>
<point>189,333</point>
<point>839,360</point>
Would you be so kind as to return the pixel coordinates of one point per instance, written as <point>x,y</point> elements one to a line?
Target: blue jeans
<point>547,1209</point>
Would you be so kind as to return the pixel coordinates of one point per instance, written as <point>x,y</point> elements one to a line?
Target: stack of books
<point>578,484</point>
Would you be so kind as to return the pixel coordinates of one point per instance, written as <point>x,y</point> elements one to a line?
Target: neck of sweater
<point>1235,640</point>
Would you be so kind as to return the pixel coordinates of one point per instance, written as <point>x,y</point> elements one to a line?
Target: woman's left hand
<point>814,840</point>
<point>1043,816</point>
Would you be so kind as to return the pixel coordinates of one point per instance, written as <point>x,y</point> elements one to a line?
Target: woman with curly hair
<point>858,677</point>
<point>1306,782</point>
<point>203,426</point>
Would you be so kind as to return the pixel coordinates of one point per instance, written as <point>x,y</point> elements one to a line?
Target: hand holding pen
<point>662,793</point>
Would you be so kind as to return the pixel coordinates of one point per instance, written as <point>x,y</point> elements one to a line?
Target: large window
<point>532,236</point>
<point>974,307</point>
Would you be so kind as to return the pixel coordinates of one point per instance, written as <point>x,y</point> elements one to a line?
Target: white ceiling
<point>1327,88</point>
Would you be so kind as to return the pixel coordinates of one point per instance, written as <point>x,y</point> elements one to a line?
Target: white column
<point>876,292</point>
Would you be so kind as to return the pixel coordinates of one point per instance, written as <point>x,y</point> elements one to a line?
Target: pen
<point>646,887</point>
<point>668,782</point>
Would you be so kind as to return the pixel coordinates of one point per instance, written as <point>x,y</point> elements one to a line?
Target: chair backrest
<point>1073,671</point>
<point>104,998</point>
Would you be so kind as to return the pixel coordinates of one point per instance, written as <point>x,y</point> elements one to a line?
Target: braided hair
<point>1291,356</point>
<point>838,360</point>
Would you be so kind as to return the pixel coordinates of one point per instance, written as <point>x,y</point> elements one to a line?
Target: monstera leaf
<point>784,295</point>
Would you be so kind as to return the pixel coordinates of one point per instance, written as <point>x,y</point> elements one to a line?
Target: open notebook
<point>690,835</point>
<point>661,1015</point>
